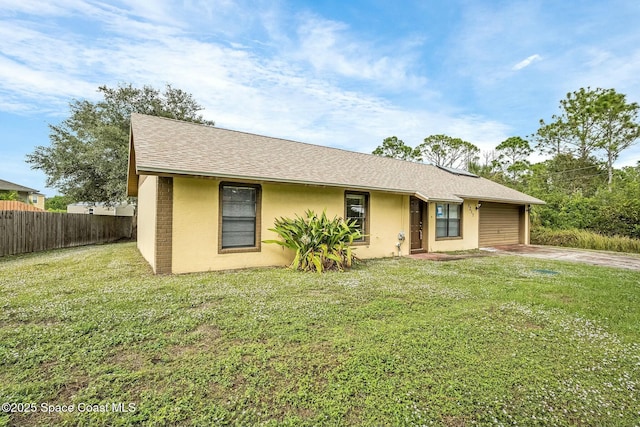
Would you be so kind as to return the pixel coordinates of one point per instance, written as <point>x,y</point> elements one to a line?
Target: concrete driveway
<point>604,258</point>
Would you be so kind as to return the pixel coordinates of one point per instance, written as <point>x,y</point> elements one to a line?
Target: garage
<point>499,224</point>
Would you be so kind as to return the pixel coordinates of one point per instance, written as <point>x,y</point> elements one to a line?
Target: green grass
<point>584,239</point>
<point>480,341</point>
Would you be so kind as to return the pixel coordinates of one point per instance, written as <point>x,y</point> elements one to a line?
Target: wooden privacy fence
<point>24,231</point>
<point>16,205</point>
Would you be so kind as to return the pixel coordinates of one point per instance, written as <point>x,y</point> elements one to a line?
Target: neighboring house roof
<point>166,146</point>
<point>14,205</point>
<point>10,186</point>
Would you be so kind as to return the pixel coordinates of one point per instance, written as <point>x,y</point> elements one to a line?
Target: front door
<point>417,227</point>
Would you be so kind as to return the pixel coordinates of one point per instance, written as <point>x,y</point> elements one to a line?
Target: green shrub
<point>583,239</point>
<point>319,243</point>
<point>8,195</point>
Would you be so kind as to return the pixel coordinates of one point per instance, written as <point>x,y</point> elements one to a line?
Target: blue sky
<point>340,73</point>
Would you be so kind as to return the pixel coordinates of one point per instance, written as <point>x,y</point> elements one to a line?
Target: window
<point>239,216</point>
<point>357,209</point>
<point>448,220</point>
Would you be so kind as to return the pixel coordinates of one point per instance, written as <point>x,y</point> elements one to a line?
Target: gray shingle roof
<point>166,146</point>
<point>10,186</point>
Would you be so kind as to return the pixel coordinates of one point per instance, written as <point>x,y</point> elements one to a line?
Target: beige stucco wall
<point>39,201</point>
<point>75,209</point>
<point>389,216</point>
<point>120,210</point>
<point>125,210</point>
<point>470,224</point>
<point>195,222</point>
<point>147,200</point>
<point>525,228</point>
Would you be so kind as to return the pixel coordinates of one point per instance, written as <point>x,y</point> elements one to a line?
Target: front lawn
<point>480,341</point>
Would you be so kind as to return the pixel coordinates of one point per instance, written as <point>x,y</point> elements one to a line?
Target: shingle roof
<point>10,186</point>
<point>166,146</point>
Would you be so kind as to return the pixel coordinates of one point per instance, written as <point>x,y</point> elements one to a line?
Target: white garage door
<point>499,224</point>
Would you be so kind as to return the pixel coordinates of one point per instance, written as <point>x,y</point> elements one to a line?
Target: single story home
<point>207,197</point>
<point>25,194</point>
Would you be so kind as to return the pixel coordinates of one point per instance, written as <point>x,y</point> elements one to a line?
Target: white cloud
<point>40,8</point>
<point>526,62</point>
<point>288,86</point>
<point>491,33</point>
<point>38,86</point>
<point>330,49</point>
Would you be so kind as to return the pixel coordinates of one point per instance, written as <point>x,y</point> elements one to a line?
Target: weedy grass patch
<point>584,239</point>
<point>479,341</point>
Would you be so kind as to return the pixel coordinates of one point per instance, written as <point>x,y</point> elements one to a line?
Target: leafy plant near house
<point>9,195</point>
<point>319,243</point>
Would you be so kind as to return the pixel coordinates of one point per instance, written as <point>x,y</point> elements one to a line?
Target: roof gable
<point>166,146</point>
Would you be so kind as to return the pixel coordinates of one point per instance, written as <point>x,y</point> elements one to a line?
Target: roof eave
<point>421,196</point>
<point>532,201</point>
<point>21,189</point>
<point>150,170</point>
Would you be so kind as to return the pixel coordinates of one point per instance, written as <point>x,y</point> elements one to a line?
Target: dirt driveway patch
<point>604,258</point>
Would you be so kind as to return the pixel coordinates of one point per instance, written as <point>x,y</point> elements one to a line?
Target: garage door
<point>499,224</point>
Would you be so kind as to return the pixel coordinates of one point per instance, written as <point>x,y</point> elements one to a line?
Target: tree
<point>580,118</point>
<point>8,195</point>
<point>397,149</point>
<point>576,130</point>
<point>568,174</point>
<point>596,122</point>
<point>618,124</point>
<point>88,154</point>
<point>568,185</point>
<point>57,203</point>
<point>488,168</point>
<point>513,155</point>
<point>619,208</point>
<point>443,150</point>
<point>550,139</point>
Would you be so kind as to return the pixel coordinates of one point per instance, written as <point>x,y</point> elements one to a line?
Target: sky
<point>345,74</point>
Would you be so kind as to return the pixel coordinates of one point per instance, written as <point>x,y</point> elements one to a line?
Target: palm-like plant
<point>319,243</point>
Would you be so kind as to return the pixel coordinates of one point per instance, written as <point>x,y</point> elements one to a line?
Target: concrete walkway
<point>604,258</point>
